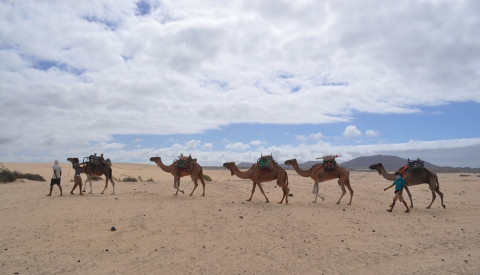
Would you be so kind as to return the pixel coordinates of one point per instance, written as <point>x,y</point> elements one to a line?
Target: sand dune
<point>221,233</point>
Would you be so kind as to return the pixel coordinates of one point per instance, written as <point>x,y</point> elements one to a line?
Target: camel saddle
<point>93,159</point>
<point>416,166</point>
<point>329,163</point>
<point>184,161</point>
<point>265,162</point>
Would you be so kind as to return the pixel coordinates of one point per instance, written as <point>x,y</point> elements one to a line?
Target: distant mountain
<point>389,162</point>
<point>392,163</point>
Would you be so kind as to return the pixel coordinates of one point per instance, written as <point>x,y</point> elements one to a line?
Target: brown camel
<point>319,174</point>
<point>258,175</point>
<point>424,176</point>
<point>91,170</point>
<point>192,169</point>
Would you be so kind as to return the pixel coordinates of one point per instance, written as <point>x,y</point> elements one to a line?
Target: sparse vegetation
<point>129,179</point>
<point>207,177</point>
<point>9,176</point>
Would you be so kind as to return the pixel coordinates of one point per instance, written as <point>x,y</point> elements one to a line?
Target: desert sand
<point>221,233</point>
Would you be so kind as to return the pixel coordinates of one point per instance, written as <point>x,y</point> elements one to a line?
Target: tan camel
<point>425,176</point>
<point>91,170</point>
<point>318,174</point>
<point>193,169</point>
<point>258,175</point>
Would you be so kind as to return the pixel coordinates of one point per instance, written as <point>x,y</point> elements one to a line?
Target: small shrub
<point>207,177</point>
<point>9,176</point>
<point>34,177</point>
<point>150,180</point>
<point>129,179</point>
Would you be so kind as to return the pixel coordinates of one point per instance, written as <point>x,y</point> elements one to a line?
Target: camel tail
<point>437,184</point>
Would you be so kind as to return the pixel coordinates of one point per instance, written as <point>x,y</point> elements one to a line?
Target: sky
<point>232,80</point>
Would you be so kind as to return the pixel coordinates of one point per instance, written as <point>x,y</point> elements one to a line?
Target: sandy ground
<point>221,233</point>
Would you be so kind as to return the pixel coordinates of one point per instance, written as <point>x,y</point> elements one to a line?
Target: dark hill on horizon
<point>391,163</point>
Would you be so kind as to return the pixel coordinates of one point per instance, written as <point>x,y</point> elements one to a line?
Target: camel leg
<point>261,190</point>
<point>410,196</point>
<point>106,184</point>
<point>203,185</point>
<point>113,186</point>
<point>343,192</point>
<point>441,196</point>
<point>85,185</point>
<point>315,191</point>
<point>432,188</point>
<point>253,191</point>
<point>195,185</point>
<point>176,185</point>
<point>285,190</point>
<point>437,189</point>
<point>350,190</point>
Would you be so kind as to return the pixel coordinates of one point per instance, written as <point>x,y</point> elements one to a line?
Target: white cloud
<point>184,68</point>
<point>351,131</point>
<point>372,133</point>
<point>257,142</point>
<point>311,137</point>
<point>238,146</point>
<point>192,144</point>
<point>207,145</point>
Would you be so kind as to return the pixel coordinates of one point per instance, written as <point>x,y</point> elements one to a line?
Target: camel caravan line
<point>266,169</point>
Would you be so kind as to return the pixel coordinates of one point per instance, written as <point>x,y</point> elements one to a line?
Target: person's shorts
<point>398,196</point>
<point>55,181</point>
<point>77,180</point>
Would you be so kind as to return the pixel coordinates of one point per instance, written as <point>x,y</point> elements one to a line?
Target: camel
<point>319,174</point>
<point>193,169</point>
<point>411,179</point>
<point>258,175</point>
<point>90,170</point>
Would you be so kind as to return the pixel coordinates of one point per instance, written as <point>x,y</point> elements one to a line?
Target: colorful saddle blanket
<point>265,162</point>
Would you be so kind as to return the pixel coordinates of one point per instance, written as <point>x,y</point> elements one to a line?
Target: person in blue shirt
<point>399,183</point>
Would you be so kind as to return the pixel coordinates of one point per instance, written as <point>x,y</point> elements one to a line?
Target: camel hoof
<point>338,202</point>
<point>443,206</point>
<point>428,207</point>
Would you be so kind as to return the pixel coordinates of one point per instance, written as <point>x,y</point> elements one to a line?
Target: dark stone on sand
<point>113,229</point>
<point>290,195</point>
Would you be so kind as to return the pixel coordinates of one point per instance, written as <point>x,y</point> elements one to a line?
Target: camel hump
<point>416,166</point>
<point>184,161</point>
<point>266,162</point>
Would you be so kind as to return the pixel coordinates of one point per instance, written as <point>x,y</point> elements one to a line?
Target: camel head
<point>229,166</point>
<point>154,158</point>
<point>377,167</point>
<point>73,160</point>
<point>290,161</point>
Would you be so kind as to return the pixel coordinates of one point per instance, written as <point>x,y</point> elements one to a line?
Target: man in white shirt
<point>57,174</point>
